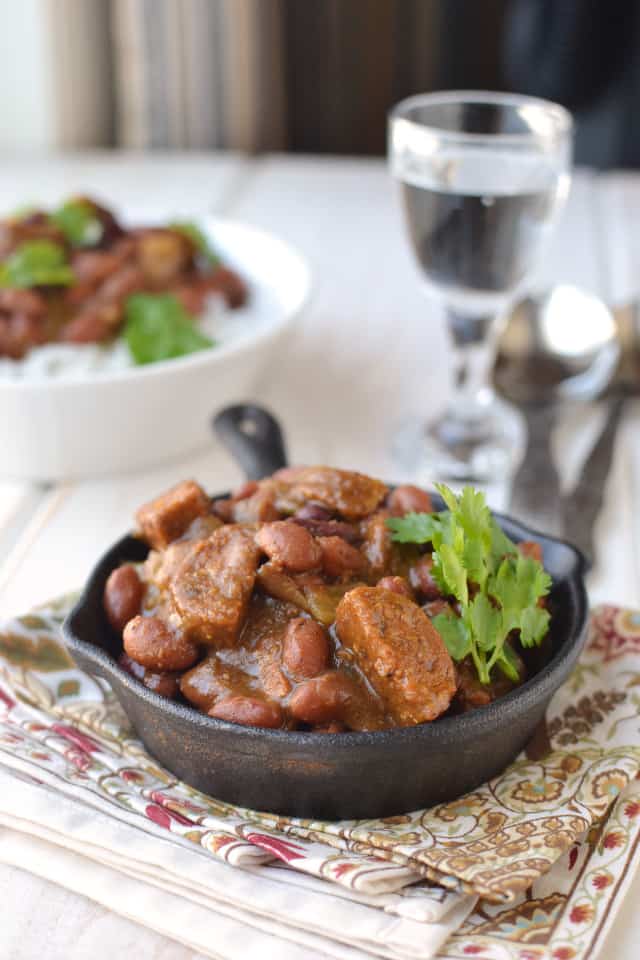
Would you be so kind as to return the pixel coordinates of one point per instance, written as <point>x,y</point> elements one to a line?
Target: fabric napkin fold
<point>504,842</point>
<point>269,901</point>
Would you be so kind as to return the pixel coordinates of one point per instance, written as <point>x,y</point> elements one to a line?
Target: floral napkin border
<point>565,885</point>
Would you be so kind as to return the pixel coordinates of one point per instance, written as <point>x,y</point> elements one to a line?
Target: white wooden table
<point>369,350</point>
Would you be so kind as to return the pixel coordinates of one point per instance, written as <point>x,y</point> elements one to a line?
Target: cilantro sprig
<point>37,263</point>
<point>497,587</point>
<point>157,327</point>
<point>79,222</point>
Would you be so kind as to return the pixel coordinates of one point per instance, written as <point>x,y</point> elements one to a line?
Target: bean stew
<point>320,599</point>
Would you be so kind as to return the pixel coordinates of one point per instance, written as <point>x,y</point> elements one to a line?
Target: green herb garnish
<point>79,223</point>
<point>38,263</point>
<point>497,587</point>
<point>198,239</point>
<point>158,327</point>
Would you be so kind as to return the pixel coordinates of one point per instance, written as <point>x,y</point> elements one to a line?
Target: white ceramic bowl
<point>112,422</point>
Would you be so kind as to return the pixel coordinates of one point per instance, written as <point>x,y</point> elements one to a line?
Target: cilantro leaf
<point>79,222</point>
<point>534,623</point>
<point>501,545</point>
<point>158,328</point>
<point>455,635</point>
<point>510,593</point>
<point>485,621</point>
<point>475,562</point>
<point>509,663</point>
<point>413,527</point>
<point>198,238</point>
<point>497,588</point>
<point>447,495</point>
<point>533,576</point>
<point>437,573</point>
<point>453,573</point>
<point>473,515</point>
<point>37,263</point>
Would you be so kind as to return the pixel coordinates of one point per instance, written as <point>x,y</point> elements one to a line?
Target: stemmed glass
<point>481,178</point>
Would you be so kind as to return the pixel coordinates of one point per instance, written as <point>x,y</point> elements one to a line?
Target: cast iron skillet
<point>330,776</point>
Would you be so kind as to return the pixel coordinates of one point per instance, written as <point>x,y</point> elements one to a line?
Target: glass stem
<point>474,346</point>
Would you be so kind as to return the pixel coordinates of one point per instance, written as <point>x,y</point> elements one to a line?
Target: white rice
<point>75,361</point>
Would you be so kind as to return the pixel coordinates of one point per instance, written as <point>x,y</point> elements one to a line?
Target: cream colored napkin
<point>550,842</point>
<point>205,904</point>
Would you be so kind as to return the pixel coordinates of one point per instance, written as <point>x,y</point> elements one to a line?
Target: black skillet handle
<point>253,438</point>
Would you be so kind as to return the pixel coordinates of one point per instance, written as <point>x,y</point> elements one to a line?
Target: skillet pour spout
<point>331,776</point>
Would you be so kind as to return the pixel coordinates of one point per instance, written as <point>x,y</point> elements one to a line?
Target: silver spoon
<point>556,348</point>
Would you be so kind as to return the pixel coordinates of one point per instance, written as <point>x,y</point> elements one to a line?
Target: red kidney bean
<point>422,580</point>
<point>396,585</point>
<point>409,499</point>
<point>150,641</point>
<point>93,323</point>
<point>117,287</point>
<point>305,649</point>
<point>330,528</point>
<point>312,511</point>
<point>248,711</point>
<point>289,545</point>
<point>22,301</point>
<point>19,332</point>
<point>322,699</point>
<point>166,684</point>
<point>339,557</point>
<point>123,594</point>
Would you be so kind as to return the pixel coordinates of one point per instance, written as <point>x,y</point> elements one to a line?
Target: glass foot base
<point>481,445</point>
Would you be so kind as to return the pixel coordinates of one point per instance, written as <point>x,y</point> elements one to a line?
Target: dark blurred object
<point>585,54</point>
<point>348,61</point>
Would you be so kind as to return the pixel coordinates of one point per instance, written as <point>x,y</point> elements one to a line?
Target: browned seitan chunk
<point>400,652</point>
<point>168,516</point>
<point>211,587</point>
<point>349,494</point>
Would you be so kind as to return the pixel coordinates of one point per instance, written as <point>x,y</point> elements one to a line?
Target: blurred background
<point>312,77</point>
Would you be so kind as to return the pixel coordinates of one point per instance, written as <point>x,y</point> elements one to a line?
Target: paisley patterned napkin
<point>541,844</point>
